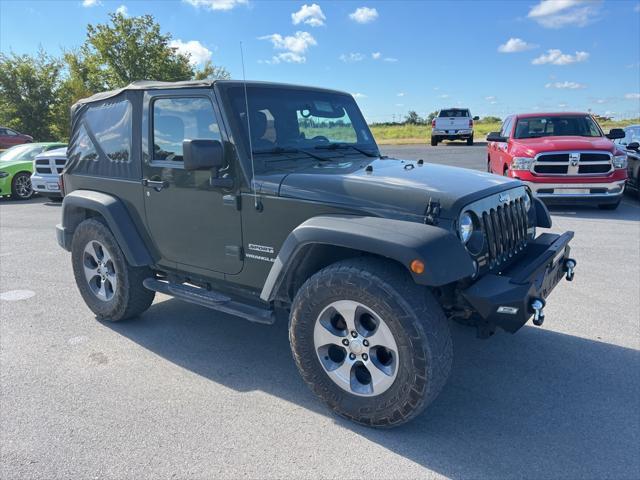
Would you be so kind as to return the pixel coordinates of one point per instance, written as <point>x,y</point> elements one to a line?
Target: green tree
<point>30,93</point>
<point>413,118</point>
<point>211,72</point>
<point>431,116</point>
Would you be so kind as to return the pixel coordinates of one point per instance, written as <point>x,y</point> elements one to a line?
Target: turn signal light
<point>417,267</point>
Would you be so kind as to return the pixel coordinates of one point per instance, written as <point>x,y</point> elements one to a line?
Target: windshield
<point>557,126</point>
<point>21,152</point>
<point>287,120</point>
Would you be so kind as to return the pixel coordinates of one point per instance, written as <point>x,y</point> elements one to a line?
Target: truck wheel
<point>609,206</point>
<point>21,188</point>
<point>373,345</point>
<point>470,140</point>
<point>434,141</point>
<point>111,288</point>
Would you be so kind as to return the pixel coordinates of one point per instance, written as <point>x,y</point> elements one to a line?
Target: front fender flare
<point>115,215</point>
<point>445,258</point>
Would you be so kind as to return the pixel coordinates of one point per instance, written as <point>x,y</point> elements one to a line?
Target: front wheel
<point>21,188</point>
<point>373,345</point>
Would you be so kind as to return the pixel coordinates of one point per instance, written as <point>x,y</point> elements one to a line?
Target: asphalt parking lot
<point>183,392</point>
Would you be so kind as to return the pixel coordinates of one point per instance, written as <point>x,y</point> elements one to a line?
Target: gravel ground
<point>184,392</point>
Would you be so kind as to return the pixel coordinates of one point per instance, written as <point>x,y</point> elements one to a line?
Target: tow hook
<point>569,267</point>
<point>537,305</point>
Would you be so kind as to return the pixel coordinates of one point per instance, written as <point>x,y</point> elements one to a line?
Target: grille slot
<point>594,168</point>
<point>554,169</point>
<point>594,157</point>
<point>505,230</point>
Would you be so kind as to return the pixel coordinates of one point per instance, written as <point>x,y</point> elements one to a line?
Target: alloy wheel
<point>99,270</point>
<point>22,187</point>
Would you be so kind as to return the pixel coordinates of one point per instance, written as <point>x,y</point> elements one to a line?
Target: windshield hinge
<point>432,212</point>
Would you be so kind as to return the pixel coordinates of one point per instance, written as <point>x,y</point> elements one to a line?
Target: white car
<point>452,124</point>
<point>47,168</point>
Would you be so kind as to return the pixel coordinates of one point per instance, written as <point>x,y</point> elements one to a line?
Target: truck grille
<point>588,163</point>
<point>50,165</point>
<point>505,230</point>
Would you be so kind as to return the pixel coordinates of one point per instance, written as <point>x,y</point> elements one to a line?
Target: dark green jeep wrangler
<point>257,198</point>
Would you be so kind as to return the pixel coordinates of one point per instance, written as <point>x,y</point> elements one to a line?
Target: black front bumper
<point>504,298</point>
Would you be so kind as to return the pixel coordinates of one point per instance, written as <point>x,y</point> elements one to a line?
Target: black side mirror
<point>496,137</point>
<point>633,146</point>
<point>615,133</point>
<point>476,118</point>
<point>202,154</point>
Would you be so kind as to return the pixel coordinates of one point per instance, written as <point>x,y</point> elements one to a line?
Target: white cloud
<point>376,55</point>
<point>91,3</point>
<point>297,43</point>
<point>359,95</point>
<point>491,99</point>
<point>287,57</point>
<point>400,94</point>
<point>556,57</point>
<point>563,105</point>
<point>565,85</point>
<point>399,104</point>
<point>309,14</point>
<point>390,59</point>
<point>364,15</point>
<point>444,95</point>
<point>197,53</point>
<point>122,10</point>
<point>560,13</point>
<point>351,57</point>
<point>515,45</point>
<point>224,5</point>
<point>632,96</point>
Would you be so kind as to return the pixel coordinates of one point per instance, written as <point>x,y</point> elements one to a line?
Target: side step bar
<point>210,299</point>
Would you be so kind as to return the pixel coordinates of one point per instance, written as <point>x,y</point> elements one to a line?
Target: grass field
<point>399,134</point>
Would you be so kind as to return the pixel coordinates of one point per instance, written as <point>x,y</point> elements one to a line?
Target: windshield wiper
<point>278,150</point>
<point>337,145</point>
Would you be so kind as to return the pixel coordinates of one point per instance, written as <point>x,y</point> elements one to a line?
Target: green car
<point>16,166</point>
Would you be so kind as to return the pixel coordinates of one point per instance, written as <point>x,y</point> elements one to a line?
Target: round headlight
<point>527,201</point>
<point>466,227</point>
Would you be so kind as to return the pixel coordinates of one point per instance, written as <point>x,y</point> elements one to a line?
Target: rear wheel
<point>434,141</point>
<point>110,287</point>
<point>470,140</point>
<point>373,345</point>
<point>21,188</point>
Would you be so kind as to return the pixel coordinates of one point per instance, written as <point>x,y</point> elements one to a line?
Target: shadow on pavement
<point>629,210</point>
<point>538,404</point>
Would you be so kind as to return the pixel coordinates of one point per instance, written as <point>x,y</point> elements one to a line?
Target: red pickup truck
<point>563,157</point>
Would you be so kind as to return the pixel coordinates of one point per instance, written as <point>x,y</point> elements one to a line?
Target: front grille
<point>505,230</point>
<point>50,165</point>
<point>588,163</point>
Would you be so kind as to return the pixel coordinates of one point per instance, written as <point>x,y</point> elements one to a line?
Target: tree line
<point>37,91</point>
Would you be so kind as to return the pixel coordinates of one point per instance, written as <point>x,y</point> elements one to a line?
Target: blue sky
<point>495,57</point>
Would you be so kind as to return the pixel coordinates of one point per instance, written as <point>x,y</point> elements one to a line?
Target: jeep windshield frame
<point>286,119</point>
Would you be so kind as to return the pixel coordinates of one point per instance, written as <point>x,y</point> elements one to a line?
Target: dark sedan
<point>10,138</point>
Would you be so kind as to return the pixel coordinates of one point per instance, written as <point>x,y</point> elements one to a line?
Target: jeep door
<point>196,227</point>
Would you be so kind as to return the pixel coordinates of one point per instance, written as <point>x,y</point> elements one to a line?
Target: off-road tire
<point>18,177</point>
<point>470,140</point>
<point>434,141</point>
<point>416,320</point>
<point>130,298</point>
<point>609,206</point>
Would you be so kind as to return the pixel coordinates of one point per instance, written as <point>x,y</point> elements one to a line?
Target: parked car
<point>631,143</point>
<point>287,206</point>
<point>563,158</point>
<point>47,168</point>
<point>452,124</point>
<point>16,165</point>
<point>10,138</point>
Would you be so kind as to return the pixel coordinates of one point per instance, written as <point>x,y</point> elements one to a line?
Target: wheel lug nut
<point>354,334</point>
<point>352,356</point>
<point>365,343</point>
<point>345,342</point>
<point>365,357</point>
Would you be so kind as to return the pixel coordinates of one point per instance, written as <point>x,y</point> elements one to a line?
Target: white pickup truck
<point>452,124</point>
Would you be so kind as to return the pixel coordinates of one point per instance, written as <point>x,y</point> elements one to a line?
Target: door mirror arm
<point>216,181</point>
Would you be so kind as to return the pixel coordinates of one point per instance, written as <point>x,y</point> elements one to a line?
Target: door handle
<point>157,185</point>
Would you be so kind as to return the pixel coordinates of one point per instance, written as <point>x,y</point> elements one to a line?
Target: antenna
<point>246,103</point>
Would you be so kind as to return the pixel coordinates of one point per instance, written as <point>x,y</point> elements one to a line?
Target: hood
<point>533,146</point>
<point>390,186</point>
